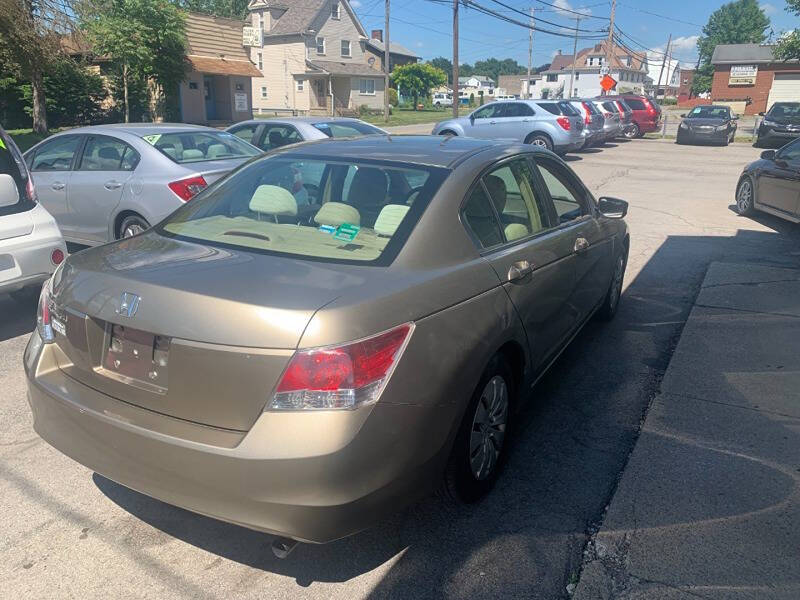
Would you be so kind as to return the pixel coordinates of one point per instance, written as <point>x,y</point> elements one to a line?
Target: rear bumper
<point>314,477</point>
<point>648,126</point>
<point>570,146</point>
<point>25,260</point>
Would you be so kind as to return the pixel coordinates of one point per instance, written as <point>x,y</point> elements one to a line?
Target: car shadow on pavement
<point>16,318</point>
<point>775,223</point>
<point>572,440</point>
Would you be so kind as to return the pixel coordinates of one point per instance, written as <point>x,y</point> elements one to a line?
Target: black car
<point>708,124</point>
<point>780,125</point>
<point>772,184</point>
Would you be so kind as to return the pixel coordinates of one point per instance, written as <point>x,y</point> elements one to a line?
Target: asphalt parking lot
<point>69,533</point>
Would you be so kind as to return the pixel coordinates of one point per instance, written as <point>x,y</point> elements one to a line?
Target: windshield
<point>198,146</point>
<point>15,198</point>
<point>338,129</point>
<point>709,112</point>
<point>788,109</point>
<point>334,209</point>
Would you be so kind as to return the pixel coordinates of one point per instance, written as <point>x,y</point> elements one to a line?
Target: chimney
<point>377,34</point>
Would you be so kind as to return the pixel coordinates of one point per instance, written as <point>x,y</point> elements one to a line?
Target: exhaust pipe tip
<point>282,547</point>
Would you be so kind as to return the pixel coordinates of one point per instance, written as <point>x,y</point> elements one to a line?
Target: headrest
<point>273,200</point>
<point>192,153</point>
<point>108,153</point>
<point>390,218</point>
<point>215,150</point>
<point>336,213</point>
<point>515,231</point>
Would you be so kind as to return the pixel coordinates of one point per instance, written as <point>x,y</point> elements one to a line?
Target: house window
<point>552,77</point>
<point>192,85</point>
<point>577,76</point>
<point>263,91</point>
<point>367,87</point>
<point>260,61</point>
<point>300,85</point>
<point>346,48</point>
<point>335,11</point>
<point>320,45</point>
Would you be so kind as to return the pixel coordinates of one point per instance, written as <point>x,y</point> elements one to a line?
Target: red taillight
<point>57,256</point>
<point>564,122</point>
<point>30,189</point>
<point>186,188</point>
<point>588,113</point>
<point>43,320</point>
<point>649,107</point>
<point>345,376</point>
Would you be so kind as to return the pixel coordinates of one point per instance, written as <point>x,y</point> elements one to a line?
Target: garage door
<point>785,88</point>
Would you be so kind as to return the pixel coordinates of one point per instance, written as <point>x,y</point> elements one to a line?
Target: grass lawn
<point>25,138</point>
<point>409,116</point>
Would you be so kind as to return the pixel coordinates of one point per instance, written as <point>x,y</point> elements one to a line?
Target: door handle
<point>112,185</point>
<point>57,185</point>
<point>519,270</point>
<point>581,245</point>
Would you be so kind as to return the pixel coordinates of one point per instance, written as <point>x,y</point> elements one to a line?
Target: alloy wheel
<point>744,198</point>
<point>488,428</point>
<point>132,229</point>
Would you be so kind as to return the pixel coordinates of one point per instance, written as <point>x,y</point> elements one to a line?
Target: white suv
<point>442,99</point>
<point>31,246</point>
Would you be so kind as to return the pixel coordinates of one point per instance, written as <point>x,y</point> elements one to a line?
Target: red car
<point>646,113</point>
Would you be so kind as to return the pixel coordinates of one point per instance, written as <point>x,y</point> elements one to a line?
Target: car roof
<point>140,129</point>
<point>321,119</point>
<point>430,150</point>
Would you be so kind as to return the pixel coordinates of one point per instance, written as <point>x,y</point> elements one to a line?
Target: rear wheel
<point>632,131</point>
<point>447,132</point>
<point>479,450</point>
<point>132,225</point>
<point>539,139</point>
<point>745,197</point>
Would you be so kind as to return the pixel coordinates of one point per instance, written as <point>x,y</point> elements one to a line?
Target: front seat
<point>368,193</point>
<point>108,158</point>
<point>275,139</point>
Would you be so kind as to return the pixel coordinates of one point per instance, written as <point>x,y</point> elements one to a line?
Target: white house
<point>628,68</point>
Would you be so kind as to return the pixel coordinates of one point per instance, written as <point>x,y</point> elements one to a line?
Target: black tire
<point>27,295</point>
<point>448,132</point>
<point>632,132</point>
<point>614,294</point>
<point>540,139</point>
<point>461,483</point>
<point>745,206</point>
<point>132,225</point>
<point>758,143</point>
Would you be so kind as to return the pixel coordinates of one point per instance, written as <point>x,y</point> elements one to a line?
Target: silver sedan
<point>107,182</point>
<point>269,134</point>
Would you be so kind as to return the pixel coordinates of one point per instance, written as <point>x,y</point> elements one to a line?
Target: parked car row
<point>559,125</point>
<point>321,336</point>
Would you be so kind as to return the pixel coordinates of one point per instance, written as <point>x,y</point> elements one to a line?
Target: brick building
<point>685,81</point>
<point>750,79</point>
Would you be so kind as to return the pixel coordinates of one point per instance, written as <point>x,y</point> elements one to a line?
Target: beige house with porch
<point>313,57</point>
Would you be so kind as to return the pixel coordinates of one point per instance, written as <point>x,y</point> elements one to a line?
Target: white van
<point>442,99</point>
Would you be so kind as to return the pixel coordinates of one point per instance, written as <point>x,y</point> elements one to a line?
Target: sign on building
<point>251,36</point>
<point>240,102</point>
<point>743,75</point>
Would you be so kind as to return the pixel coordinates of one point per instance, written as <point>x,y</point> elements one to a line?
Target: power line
<point>575,12</point>
<point>524,14</point>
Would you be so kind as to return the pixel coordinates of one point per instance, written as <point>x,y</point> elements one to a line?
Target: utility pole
<point>456,99</point>
<point>530,57</point>
<point>610,41</point>
<point>386,68</point>
<point>663,62</point>
<point>574,58</point>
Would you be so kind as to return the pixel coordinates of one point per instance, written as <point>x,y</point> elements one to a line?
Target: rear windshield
<point>346,129</point>
<point>611,107</point>
<point>790,109</point>
<point>13,199</point>
<point>560,108</point>
<point>324,209</point>
<point>591,107</point>
<point>198,146</point>
<point>709,112</point>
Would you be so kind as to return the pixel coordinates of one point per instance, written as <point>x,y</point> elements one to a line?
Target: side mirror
<point>768,155</point>
<point>9,194</point>
<point>735,117</point>
<point>683,116</point>
<point>761,114</point>
<point>613,208</point>
<point>472,119</point>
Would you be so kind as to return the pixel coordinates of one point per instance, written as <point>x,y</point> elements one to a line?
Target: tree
<point>738,22</point>
<point>146,40</point>
<point>233,9</point>
<point>29,42</point>
<point>445,64</point>
<point>789,43</point>
<point>418,79</point>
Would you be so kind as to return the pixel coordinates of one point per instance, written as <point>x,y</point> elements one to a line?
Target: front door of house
<point>208,95</point>
<point>320,93</point>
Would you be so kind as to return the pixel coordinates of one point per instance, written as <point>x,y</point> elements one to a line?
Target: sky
<point>425,26</point>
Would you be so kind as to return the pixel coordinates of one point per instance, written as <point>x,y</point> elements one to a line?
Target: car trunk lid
<point>183,329</point>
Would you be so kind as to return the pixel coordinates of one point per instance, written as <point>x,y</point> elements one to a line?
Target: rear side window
<point>276,136</point>
<point>56,155</point>
<point>245,132</point>
<point>635,103</point>
<point>611,107</point>
<point>346,129</point>
<point>480,218</point>
<point>550,107</point>
<point>102,153</point>
<point>299,206</point>
<point>518,109</point>
<point>568,109</point>
<point>200,146</point>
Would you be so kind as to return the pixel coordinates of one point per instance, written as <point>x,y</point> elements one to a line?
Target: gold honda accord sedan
<point>328,333</point>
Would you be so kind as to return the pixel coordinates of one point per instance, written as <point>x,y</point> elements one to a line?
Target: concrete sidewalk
<point>709,503</point>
